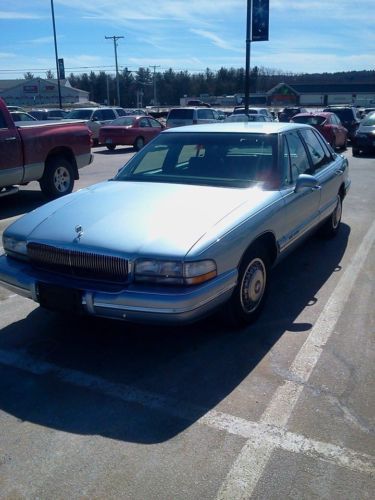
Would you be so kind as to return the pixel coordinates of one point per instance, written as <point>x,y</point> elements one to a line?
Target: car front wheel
<point>250,293</point>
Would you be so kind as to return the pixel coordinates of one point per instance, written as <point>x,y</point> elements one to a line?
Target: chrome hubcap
<point>253,285</point>
<point>61,179</point>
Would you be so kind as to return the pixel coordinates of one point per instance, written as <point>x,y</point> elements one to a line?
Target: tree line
<point>140,87</point>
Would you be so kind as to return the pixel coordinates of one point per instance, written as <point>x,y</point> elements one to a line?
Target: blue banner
<point>260,20</point>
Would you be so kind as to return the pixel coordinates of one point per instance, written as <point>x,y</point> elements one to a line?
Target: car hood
<point>138,217</point>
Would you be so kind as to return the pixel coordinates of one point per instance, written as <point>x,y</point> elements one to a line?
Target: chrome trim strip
<point>159,310</point>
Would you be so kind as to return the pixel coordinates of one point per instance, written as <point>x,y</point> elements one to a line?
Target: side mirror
<point>94,119</point>
<point>306,181</point>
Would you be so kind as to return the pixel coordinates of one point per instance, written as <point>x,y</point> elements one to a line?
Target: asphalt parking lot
<point>282,409</point>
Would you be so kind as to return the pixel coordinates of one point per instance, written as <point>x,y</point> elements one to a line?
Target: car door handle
<point>339,172</point>
<point>316,188</point>
<point>9,139</point>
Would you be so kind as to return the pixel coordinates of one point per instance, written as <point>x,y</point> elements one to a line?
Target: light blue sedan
<point>190,224</point>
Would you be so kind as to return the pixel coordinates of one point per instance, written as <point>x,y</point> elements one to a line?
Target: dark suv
<point>348,117</point>
<point>287,114</point>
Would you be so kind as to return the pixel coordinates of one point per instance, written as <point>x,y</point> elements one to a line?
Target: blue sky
<point>305,35</point>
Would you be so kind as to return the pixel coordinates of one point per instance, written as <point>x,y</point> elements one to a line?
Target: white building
<point>40,92</point>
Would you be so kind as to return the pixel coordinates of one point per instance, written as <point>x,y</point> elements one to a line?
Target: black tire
<point>345,145</point>
<point>139,143</point>
<point>332,225</point>
<point>58,178</point>
<point>249,296</point>
<point>355,151</point>
<point>111,147</point>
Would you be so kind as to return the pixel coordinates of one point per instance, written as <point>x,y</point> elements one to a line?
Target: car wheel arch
<point>266,241</point>
<point>65,153</point>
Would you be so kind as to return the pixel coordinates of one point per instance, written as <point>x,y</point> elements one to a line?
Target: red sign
<point>33,89</point>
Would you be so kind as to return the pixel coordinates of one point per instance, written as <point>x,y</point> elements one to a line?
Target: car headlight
<point>13,246</point>
<point>174,272</point>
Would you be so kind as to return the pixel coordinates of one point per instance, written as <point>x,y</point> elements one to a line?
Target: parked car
<point>130,131</point>
<point>192,223</point>
<point>254,111</point>
<point>178,117</point>
<point>50,153</point>
<point>21,116</point>
<point>286,114</point>
<point>95,118</point>
<point>235,118</point>
<point>133,111</point>
<point>49,114</point>
<point>198,102</point>
<point>364,139</point>
<point>348,117</point>
<point>329,126</point>
<point>16,108</point>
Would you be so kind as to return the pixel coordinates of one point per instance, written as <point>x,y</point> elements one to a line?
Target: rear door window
<point>181,114</point>
<point>317,153</point>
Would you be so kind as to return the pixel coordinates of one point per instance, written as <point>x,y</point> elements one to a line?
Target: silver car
<point>95,118</point>
<point>178,117</point>
<point>194,221</point>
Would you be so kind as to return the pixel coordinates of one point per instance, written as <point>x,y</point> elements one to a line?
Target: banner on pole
<point>260,20</point>
<point>61,74</point>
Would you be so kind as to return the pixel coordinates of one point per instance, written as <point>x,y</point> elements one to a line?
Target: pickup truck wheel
<point>250,293</point>
<point>331,226</point>
<point>139,143</point>
<point>111,147</point>
<point>58,178</point>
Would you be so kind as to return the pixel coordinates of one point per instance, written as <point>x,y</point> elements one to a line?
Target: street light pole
<point>248,45</point>
<point>115,38</point>
<point>56,56</point>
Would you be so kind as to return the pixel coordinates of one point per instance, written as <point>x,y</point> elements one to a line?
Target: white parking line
<point>253,458</point>
<point>257,434</point>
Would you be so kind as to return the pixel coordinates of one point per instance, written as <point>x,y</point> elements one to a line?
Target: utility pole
<point>115,38</point>
<point>155,102</point>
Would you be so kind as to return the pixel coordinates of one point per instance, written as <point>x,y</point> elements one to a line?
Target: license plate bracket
<point>60,298</point>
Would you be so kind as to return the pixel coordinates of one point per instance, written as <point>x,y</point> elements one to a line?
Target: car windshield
<point>80,114</point>
<point>243,118</point>
<point>369,120</point>
<point>124,121</point>
<point>215,159</point>
<point>309,120</point>
<point>251,111</point>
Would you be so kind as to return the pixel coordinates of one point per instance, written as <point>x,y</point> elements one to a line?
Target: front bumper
<point>364,141</point>
<point>135,303</point>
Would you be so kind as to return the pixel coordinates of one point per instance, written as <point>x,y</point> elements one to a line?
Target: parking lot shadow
<point>146,384</point>
<point>20,203</point>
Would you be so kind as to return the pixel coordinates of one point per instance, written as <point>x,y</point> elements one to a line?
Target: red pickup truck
<point>48,152</point>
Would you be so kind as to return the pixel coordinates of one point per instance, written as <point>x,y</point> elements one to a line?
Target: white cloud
<point>219,42</point>
<point>18,15</point>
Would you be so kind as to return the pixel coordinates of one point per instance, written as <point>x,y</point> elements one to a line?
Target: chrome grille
<point>77,263</point>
